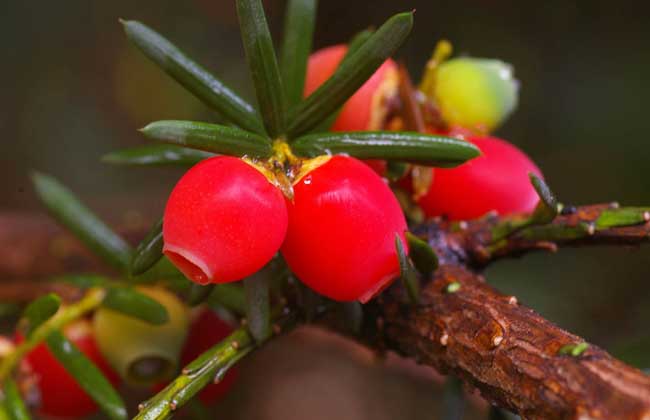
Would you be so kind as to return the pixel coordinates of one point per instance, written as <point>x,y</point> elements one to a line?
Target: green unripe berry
<point>474,93</point>
<point>142,353</point>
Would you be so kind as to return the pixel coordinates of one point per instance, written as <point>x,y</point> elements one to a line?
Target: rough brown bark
<point>506,351</point>
<point>509,353</point>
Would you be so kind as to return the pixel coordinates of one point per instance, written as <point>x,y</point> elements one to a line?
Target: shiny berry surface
<point>223,221</point>
<point>342,227</point>
<point>60,395</point>
<point>365,109</point>
<point>496,180</point>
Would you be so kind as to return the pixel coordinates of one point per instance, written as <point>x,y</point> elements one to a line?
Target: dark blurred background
<point>74,89</point>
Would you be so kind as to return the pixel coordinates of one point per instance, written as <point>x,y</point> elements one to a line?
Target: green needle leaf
<point>357,41</point>
<point>423,256</point>
<point>453,399</point>
<point>132,303</point>
<point>156,155</point>
<point>83,281</point>
<point>192,76</point>
<point>263,65</point>
<point>353,46</point>
<point>390,145</point>
<point>13,402</point>
<point>87,375</point>
<point>258,311</point>
<point>4,413</point>
<point>209,137</point>
<point>70,212</point>
<point>497,413</point>
<point>298,34</point>
<point>545,212</point>
<point>230,296</point>
<point>407,272</point>
<point>149,251</point>
<point>624,216</point>
<point>41,310</point>
<point>396,170</point>
<point>351,74</point>
<point>199,293</point>
<point>547,209</point>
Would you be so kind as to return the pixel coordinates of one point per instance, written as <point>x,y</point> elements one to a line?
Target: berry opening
<point>150,368</point>
<point>190,265</point>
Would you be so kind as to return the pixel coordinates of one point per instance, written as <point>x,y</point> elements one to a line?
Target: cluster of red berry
<point>472,96</point>
<point>333,218</point>
<point>228,217</point>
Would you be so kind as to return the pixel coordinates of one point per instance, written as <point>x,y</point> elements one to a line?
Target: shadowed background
<point>72,89</point>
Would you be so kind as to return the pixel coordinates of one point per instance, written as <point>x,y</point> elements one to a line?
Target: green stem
<point>197,375</point>
<point>88,303</point>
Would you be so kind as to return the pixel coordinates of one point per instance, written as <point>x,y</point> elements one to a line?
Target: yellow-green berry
<point>475,93</point>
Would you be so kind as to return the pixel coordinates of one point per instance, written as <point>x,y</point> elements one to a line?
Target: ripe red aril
<point>223,221</point>
<point>496,180</point>
<point>367,108</point>
<point>59,394</point>
<point>342,227</point>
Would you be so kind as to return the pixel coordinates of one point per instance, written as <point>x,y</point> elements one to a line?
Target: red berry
<point>206,331</point>
<point>366,109</point>
<point>60,395</point>
<point>224,221</point>
<point>342,227</point>
<point>496,180</point>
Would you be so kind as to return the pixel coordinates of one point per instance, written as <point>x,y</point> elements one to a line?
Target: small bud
<point>496,340</point>
<point>444,339</point>
<point>574,350</point>
<point>453,287</point>
<point>512,300</point>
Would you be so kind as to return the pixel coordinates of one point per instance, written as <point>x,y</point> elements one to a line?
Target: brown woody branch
<point>506,351</point>
<point>510,353</point>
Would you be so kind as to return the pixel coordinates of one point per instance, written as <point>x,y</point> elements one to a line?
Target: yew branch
<point>506,351</point>
<point>509,353</point>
